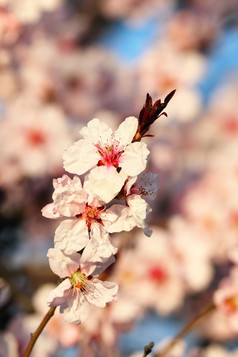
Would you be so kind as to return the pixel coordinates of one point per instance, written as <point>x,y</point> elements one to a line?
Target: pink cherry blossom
<point>39,139</point>
<point>226,298</point>
<point>149,273</point>
<point>111,157</point>
<point>8,345</point>
<point>89,220</point>
<point>80,288</point>
<point>137,191</point>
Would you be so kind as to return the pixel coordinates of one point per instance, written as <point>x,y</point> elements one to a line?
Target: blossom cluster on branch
<point>113,198</point>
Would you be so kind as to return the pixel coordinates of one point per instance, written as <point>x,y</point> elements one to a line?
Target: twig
<point>148,349</point>
<point>38,331</point>
<point>185,330</point>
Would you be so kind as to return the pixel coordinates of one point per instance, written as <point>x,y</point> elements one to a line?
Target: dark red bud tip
<point>169,96</point>
<point>149,113</point>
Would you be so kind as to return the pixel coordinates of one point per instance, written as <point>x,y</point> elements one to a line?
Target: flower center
<point>231,304</point>
<point>110,154</point>
<point>91,215</point>
<point>35,137</point>
<point>81,283</point>
<point>157,274</point>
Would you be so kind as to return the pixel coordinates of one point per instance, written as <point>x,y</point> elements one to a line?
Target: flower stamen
<point>110,154</point>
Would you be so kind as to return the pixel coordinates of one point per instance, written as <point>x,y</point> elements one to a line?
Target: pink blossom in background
<point>226,298</point>
<point>10,27</point>
<point>134,11</point>
<point>30,12</point>
<point>92,79</point>
<point>193,250</point>
<point>211,203</point>
<point>67,334</point>
<point>8,345</point>
<point>149,274</point>
<point>21,326</point>
<point>39,133</point>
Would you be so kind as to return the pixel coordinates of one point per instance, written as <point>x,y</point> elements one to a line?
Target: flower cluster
<point>113,198</point>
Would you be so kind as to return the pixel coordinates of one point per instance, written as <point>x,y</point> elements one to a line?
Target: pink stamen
<point>35,137</point>
<point>110,154</point>
<point>91,215</point>
<point>157,274</point>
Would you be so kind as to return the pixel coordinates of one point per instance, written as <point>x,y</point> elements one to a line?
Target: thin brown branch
<point>148,349</point>
<point>36,334</point>
<point>185,330</point>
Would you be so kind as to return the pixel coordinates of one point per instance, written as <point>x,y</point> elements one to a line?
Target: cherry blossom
<point>136,191</point>
<point>80,288</point>
<point>8,345</point>
<point>110,157</point>
<point>149,273</point>
<point>89,218</point>
<point>39,139</point>
<point>226,298</point>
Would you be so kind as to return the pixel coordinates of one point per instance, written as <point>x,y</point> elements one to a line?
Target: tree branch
<point>185,330</point>
<point>148,349</point>
<point>38,331</point>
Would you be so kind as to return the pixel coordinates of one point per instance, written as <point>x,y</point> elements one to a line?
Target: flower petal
<point>77,309</point>
<point>125,221</point>
<point>97,255</point>
<point>133,160</point>
<point>80,157</point>
<point>148,185</point>
<point>70,202</point>
<point>71,236</point>
<point>138,209</point>
<point>61,264</point>
<point>104,182</point>
<point>126,131</point>
<point>49,211</point>
<point>57,295</point>
<point>96,131</point>
<point>103,292</point>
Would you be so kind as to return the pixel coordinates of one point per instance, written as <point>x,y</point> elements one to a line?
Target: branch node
<point>148,348</point>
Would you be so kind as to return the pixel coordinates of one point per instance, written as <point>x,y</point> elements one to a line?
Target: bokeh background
<point>63,63</point>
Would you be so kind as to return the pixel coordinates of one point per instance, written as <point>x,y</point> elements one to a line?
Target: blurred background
<point>63,63</point>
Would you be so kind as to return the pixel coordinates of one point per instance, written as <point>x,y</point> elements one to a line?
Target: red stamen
<point>35,137</point>
<point>157,274</point>
<point>110,155</point>
<point>91,215</point>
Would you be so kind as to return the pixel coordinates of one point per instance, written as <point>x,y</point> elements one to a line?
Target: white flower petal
<point>61,264</point>
<point>65,180</point>
<point>133,160</point>
<point>103,292</point>
<point>125,221</point>
<point>70,202</point>
<point>80,157</point>
<point>97,131</point>
<point>49,211</point>
<point>104,182</point>
<point>138,209</point>
<point>77,310</point>
<point>71,236</point>
<point>97,255</point>
<point>57,295</point>
<point>126,131</point>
